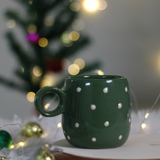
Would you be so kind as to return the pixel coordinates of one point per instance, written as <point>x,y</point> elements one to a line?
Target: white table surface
<point>138,146</point>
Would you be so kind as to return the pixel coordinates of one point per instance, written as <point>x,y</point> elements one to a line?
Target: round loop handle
<point>60,108</point>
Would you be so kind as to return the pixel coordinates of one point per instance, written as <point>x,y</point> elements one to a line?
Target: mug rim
<point>97,77</point>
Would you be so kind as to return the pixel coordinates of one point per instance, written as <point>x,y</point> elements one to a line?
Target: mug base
<point>99,142</point>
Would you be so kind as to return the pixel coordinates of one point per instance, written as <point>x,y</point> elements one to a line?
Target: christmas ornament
<point>33,37</point>
<point>5,139</point>
<point>54,65</point>
<point>32,129</point>
<point>45,155</point>
<point>2,158</point>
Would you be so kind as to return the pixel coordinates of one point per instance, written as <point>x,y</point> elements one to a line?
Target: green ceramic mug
<point>96,110</point>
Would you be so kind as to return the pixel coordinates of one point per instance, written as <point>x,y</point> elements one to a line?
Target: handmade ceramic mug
<point>96,110</point>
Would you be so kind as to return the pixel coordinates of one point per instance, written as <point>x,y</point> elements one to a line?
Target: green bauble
<point>5,139</point>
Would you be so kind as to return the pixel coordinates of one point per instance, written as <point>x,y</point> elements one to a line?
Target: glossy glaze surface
<point>96,112</point>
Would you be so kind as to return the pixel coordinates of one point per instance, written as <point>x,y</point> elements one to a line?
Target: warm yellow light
<point>91,5</point>
<point>147,114</point>
<point>47,81</point>
<point>30,96</point>
<point>73,69</point>
<point>66,40</point>
<point>75,7</point>
<point>80,62</point>
<point>11,23</point>
<point>22,69</point>
<point>143,125</point>
<point>74,36</point>
<point>43,42</point>
<point>37,71</point>
<point>21,144</point>
<point>100,72</point>
<point>12,146</point>
<point>48,158</point>
<point>78,24</point>
<point>32,28</point>
<point>102,5</point>
<point>59,125</point>
<point>46,106</point>
<point>48,21</point>
<point>30,2</point>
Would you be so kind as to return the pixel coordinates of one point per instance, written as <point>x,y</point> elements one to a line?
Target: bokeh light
<point>11,147</point>
<point>32,28</point>
<point>102,5</point>
<point>66,40</point>
<point>73,69</point>
<point>75,7</point>
<point>100,72</point>
<point>30,2</point>
<point>47,80</point>
<point>91,5</point>
<point>80,62</point>
<point>37,71</point>
<point>46,106</point>
<point>22,69</point>
<point>49,21</point>
<point>147,114</point>
<point>78,24</point>
<point>143,125</point>
<point>11,23</point>
<point>74,36</point>
<point>21,144</point>
<point>59,125</point>
<point>43,42</point>
<point>30,96</point>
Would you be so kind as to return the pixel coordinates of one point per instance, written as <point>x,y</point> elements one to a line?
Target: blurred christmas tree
<point>51,40</point>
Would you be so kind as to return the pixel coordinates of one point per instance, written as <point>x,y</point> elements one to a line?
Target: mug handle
<point>62,102</point>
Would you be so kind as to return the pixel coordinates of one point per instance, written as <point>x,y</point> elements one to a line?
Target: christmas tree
<point>51,40</point>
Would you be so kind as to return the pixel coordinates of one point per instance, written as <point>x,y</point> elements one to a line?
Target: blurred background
<point>124,38</point>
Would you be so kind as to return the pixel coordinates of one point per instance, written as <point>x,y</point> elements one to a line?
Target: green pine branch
<point>23,2</point>
<point>16,16</point>
<point>18,51</point>
<point>13,85</point>
<point>64,52</point>
<point>62,23</point>
<point>44,6</point>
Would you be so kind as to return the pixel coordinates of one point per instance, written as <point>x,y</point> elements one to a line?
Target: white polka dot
<point>119,105</point>
<point>93,139</point>
<point>106,124</point>
<point>79,89</point>
<point>105,90</point>
<point>126,89</point>
<point>76,125</point>
<point>120,137</point>
<point>93,106</point>
<point>129,120</point>
<point>109,81</point>
<point>68,137</point>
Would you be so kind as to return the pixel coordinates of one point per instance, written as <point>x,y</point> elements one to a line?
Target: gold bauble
<point>45,155</point>
<point>2,157</point>
<point>32,129</point>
